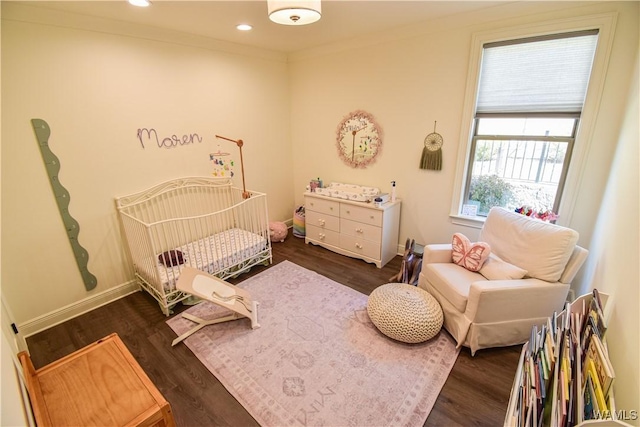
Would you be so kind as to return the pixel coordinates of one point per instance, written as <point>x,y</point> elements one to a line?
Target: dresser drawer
<point>361,230</point>
<point>360,246</point>
<point>329,207</point>
<point>322,235</point>
<point>361,214</point>
<point>322,220</point>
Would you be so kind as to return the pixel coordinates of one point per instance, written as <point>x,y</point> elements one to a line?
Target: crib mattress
<point>213,254</point>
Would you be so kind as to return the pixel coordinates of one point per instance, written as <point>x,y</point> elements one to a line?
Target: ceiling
<point>341,20</point>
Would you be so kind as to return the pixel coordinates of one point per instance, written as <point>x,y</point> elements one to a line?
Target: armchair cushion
<point>436,253</point>
<point>452,281</point>
<point>541,248</point>
<point>495,268</point>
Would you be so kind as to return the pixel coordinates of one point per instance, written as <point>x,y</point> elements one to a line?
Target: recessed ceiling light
<point>140,3</point>
<point>244,27</point>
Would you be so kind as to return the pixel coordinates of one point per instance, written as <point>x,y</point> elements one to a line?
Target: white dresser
<point>355,229</point>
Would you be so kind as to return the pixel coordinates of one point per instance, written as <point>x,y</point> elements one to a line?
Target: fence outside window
<point>523,169</point>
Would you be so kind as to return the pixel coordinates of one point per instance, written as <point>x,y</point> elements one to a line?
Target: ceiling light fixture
<point>244,27</point>
<point>300,12</point>
<point>140,3</point>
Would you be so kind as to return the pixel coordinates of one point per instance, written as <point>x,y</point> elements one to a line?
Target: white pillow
<point>496,268</point>
<point>541,248</point>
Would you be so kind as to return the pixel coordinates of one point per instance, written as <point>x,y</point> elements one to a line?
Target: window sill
<point>468,221</point>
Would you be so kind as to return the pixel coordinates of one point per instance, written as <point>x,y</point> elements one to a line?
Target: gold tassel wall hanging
<point>432,151</point>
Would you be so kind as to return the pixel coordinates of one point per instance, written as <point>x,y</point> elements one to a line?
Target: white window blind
<point>545,75</point>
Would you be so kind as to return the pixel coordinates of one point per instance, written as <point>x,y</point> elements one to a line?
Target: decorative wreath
<point>432,151</point>
<point>433,141</point>
<point>371,144</point>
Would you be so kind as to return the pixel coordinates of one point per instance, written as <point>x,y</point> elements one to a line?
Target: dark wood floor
<point>475,394</point>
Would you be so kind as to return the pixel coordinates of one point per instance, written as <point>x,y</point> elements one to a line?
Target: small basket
<point>299,222</point>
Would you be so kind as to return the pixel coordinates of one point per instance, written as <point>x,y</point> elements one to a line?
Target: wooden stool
<point>98,385</point>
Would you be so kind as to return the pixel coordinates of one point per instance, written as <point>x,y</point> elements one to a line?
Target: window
<point>527,114</point>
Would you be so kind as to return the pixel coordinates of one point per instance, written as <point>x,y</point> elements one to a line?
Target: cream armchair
<point>524,281</point>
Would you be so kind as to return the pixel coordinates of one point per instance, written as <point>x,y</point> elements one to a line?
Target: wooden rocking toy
<point>219,292</point>
<point>411,266</point>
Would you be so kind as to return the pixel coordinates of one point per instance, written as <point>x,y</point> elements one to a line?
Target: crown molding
<point>28,13</point>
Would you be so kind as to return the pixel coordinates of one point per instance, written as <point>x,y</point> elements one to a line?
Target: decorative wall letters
<point>146,135</point>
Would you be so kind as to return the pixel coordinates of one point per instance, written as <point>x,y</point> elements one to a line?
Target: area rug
<point>317,360</point>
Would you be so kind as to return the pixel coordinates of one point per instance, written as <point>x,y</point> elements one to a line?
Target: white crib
<point>206,219</point>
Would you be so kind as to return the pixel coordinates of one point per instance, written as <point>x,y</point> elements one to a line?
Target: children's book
<point>588,401</point>
<point>597,388</point>
<point>602,364</point>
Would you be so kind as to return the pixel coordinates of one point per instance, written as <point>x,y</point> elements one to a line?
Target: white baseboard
<point>400,250</point>
<point>418,249</point>
<point>46,321</point>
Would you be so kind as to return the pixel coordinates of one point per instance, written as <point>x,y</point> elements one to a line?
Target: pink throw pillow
<point>468,255</point>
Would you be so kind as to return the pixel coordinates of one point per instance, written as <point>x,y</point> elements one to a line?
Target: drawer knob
<point>322,236</point>
<point>358,245</point>
<point>348,211</point>
<point>321,221</point>
<point>359,230</point>
<point>331,208</point>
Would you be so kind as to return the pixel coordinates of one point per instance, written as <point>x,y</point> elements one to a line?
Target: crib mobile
<point>222,167</point>
<point>239,143</point>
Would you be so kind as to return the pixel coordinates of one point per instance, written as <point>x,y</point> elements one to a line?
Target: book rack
<point>555,364</point>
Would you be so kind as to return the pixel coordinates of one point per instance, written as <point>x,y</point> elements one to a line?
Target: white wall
<point>418,75</point>
<point>12,409</point>
<point>12,412</point>
<point>410,78</point>
<point>615,254</point>
<point>95,89</point>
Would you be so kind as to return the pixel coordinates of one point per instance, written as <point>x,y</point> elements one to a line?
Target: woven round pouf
<point>405,313</point>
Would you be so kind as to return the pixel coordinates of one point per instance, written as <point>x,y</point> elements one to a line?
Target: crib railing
<point>179,198</point>
<point>187,212</point>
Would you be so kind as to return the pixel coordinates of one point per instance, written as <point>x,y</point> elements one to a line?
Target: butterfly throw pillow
<point>469,255</point>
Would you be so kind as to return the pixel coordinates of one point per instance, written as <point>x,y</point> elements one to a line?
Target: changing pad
<point>356,193</point>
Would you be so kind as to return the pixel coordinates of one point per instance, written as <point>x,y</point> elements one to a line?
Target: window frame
<point>570,140</point>
<point>605,24</point>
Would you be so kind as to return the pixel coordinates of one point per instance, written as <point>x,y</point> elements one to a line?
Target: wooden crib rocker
<point>199,222</point>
